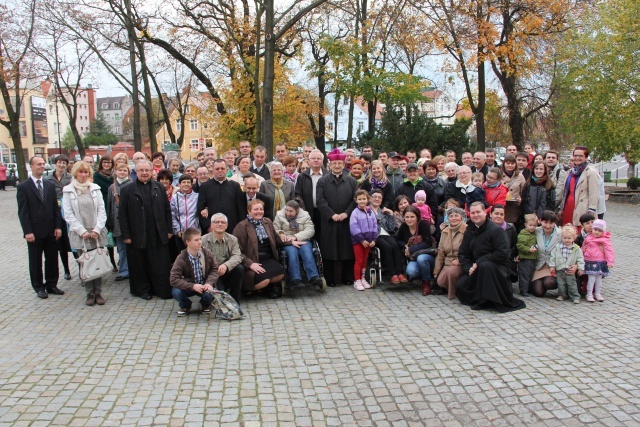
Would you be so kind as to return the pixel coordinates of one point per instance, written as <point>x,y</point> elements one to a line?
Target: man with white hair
<point>306,186</point>
<point>146,226</point>
<point>480,163</point>
<point>226,250</point>
<point>137,156</point>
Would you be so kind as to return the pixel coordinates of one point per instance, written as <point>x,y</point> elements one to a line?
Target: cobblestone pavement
<point>382,357</point>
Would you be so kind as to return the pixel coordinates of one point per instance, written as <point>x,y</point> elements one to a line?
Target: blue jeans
<point>421,268</point>
<point>183,298</point>
<point>123,265</point>
<point>293,261</point>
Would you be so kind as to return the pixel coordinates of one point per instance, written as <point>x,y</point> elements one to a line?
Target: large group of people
<point>465,230</point>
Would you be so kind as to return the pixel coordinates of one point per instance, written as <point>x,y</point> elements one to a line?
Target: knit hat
<point>599,224</point>
<point>420,194</point>
<point>357,162</point>
<point>335,155</point>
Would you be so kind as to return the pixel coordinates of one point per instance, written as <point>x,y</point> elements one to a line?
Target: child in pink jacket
<point>598,258</point>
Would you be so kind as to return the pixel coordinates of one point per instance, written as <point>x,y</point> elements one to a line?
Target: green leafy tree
<point>600,83</point>
<point>100,133</point>
<point>396,133</point>
<point>68,142</point>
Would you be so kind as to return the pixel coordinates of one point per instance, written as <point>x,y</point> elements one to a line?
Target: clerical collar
<point>220,182</point>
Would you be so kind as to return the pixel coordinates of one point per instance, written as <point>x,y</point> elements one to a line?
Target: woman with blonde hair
<point>85,214</point>
<point>120,158</point>
<point>378,181</point>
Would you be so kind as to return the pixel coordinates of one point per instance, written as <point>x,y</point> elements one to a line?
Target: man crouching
<point>195,272</point>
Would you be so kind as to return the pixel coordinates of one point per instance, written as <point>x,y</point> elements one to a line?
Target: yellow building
<point>198,132</point>
<point>33,126</point>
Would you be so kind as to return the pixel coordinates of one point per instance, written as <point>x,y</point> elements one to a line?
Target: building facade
<point>114,109</point>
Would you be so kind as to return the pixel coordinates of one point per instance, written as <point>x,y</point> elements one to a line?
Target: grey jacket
<point>59,185</point>
<point>576,258</point>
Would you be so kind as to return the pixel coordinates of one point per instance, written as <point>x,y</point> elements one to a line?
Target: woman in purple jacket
<point>364,232</point>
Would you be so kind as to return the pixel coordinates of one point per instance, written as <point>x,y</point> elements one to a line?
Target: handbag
<point>512,211</point>
<point>93,263</point>
<point>389,224</point>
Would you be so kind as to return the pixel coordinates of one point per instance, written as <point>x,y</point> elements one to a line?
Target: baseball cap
<point>393,154</point>
<point>412,166</point>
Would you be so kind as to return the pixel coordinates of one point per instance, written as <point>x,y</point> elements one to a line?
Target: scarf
<point>106,173</point>
<point>577,170</point>
<point>279,195</point>
<point>169,193</point>
<point>455,229</point>
<point>433,181</point>
<point>291,177</point>
<point>539,181</point>
<point>120,181</point>
<point>360,180</point>
<point>492,185</point>
<point>293,223</point>
<point>261,232</point>
<point>510,174</point>
<point>465,188</point>
<point>375,183</point>
<point>80,188</point>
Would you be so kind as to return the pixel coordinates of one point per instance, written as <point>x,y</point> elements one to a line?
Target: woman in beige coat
<point>448,270</point>
<point>295,228</point>
<point>580,189</point>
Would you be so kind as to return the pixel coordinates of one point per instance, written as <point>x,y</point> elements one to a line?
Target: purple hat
<point>335,155</point>
<point>420,194</point>
<point>599,224</point>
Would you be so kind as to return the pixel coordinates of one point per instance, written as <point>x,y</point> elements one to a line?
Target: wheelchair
<point>373,272</point>
<point>317,256</point>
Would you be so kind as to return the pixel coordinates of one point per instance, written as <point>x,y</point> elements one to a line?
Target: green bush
<point>633,183</point>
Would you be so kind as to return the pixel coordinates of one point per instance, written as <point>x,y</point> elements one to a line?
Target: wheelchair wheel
<point>323,287</point>
<point>374,280</point>
<point>283,284</point>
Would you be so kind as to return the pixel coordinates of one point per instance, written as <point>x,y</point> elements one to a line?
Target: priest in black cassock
<point>219,195</point>
<point>145,221</point>
<point>484,258</point>
<point>334,199</point>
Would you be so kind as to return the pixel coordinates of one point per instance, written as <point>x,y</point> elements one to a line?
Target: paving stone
<point>311,359</point>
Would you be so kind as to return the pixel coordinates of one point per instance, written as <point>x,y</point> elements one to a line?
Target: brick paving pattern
<point>387,356</point>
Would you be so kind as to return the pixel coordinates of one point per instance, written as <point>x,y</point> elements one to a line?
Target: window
<point>329,127</point>
<point>117,129</point>
<point>179,124</point>
<point>193,124</point>
<point>116,105</point>
<point>360,126</point>
<point>107,116</point>
<point>195,145</point>
<point>23,129</point>
<point>345,101</point>
<point>187,108</point>
<point>205,125</point>
<point>340,113</point>
<point>105,106</point>
<point>116,117</point>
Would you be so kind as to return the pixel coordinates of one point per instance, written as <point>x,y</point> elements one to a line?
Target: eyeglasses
<point>219,222</point>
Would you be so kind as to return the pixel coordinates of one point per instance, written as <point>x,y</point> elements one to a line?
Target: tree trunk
<point>480,128</point>
<point>371,109</point>
<point>77,138</point>
<point>320,138</point>
<point>269,76</point>
<point>350,122</point>
<point>148,101</point>
<point>256,79</point>
<point>163,107</point>
<point>135,96</point>
<point>14,132</point>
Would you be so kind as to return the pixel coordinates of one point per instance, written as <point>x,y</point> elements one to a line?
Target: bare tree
<point>17,68</point>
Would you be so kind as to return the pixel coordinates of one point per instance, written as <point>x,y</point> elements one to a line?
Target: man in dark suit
<point>41,222</point>
<point>221,195</point>
<point>251,192</point>
<point>306,185</point>
<point>258,165</point>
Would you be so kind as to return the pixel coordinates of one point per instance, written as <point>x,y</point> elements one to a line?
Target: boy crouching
<point>195,272</point>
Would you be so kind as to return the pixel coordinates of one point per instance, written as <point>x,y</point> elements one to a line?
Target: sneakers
<point>365,284</point>
<point>183,311</point>
<point>576,301</point>
<point>358,285</point>
<point>560,298</point>
<point>599,297</point>
<point>402,278</point>
<point>590,298</point>
<point>206,310</point>
<point>395,280</point>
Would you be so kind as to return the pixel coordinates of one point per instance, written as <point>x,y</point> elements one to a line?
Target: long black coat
<point>335,197</point>
<point>227,198</point>
<point>132,217</point>
<point>488,247</point>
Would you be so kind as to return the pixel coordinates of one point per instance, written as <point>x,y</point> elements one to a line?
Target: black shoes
<point>67,276</point>
<point>120,278</point>
<point>275,291</point>
<point>43,295</point>
<point>55,291</point>
<point>316,281</point>
<point>146,297</point>
<point>296,284</point>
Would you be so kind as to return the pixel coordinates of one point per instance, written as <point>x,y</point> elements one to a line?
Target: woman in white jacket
<point>295,228</point>
<point>85,214</point>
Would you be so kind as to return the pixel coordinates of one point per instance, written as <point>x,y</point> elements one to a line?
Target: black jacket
<point>227,198</point>
<point>388,193</point>
<point>132,217</point>
<point>264,172</point>
<point>36,216</point>
<point>268,204</point>
<point>304,189</point>
<point>487,243</point>
<point>410,191</point>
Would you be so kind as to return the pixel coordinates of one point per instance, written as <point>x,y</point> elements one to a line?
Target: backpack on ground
<point>225,307</point>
